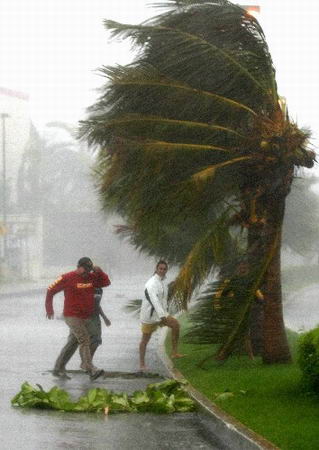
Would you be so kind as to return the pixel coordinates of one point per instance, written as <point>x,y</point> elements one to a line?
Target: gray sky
<point>50,50</point>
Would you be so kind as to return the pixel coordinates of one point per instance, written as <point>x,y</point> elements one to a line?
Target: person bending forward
<point>93,325</point>
<point>78,287</point>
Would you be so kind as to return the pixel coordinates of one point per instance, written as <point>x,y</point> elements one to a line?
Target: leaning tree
<point>196,150</point>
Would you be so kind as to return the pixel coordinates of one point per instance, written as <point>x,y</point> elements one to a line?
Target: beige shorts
<point>149,328</point>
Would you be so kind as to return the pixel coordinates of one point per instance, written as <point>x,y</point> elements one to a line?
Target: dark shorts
<point>93,325</point>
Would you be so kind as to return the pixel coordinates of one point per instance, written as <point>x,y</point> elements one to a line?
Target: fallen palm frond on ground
<point>162,398</point>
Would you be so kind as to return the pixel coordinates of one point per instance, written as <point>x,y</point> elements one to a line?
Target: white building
<point>17,131</point>
<point>20,234</point>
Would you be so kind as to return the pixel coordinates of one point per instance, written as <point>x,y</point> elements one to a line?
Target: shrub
<point>308,358</point>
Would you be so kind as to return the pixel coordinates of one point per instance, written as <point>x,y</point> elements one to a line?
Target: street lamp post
<point>4,116</point>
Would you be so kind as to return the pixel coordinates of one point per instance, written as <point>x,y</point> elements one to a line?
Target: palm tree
<point>195,150</point>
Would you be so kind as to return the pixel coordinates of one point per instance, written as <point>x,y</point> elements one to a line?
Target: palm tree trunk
<point>264,242</point>
<point>275,344</point>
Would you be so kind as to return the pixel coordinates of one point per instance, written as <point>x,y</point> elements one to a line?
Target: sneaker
<point>96,374</point>
<point>86,370</point>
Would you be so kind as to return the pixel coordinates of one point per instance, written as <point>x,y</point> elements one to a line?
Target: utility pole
<point>4,116</point>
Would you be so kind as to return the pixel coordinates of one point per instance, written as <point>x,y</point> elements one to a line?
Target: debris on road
<point>165,397</point>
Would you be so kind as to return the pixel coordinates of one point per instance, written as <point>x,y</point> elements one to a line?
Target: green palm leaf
<point>188,44</point>
<point>210,172</point>
<point>142,83</point>
<point>133,306</point>
<point>211,250</point>
<point>164,121</point>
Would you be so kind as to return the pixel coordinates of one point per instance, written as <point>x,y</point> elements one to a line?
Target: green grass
<point>268,399</point>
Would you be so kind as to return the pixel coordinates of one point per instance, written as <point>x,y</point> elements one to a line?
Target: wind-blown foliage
<point>213,318</point>
<point>194,145</point>
<point>223,315</point>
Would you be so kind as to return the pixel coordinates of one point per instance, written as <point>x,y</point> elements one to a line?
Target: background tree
<point>192,137</point>
<point>28,182</point>
<point>47,178</point>
<point>300,231</point>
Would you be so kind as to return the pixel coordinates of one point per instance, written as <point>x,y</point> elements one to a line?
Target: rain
<point>51,210</point>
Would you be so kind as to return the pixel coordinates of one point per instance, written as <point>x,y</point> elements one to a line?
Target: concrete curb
<point>230,431</point>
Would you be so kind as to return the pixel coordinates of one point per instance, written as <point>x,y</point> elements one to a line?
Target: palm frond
<point>164,121</point>
<point>185,41</point>
<point>171,85</point>
<point>157,145</point>
<point>210,251</point>
<point>133,307</point>
<point>213,321</point>
<point>210,172</point>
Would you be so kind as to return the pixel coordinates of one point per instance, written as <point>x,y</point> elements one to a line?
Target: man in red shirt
<point>78,287</point>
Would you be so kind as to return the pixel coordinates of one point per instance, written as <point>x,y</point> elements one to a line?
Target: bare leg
<point>142,348</point>
<point>173,324</point>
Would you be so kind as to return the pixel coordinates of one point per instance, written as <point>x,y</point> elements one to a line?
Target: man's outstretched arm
<point>57,286</point>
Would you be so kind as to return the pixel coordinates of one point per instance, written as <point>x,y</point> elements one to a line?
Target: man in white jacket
<point>154,312</point>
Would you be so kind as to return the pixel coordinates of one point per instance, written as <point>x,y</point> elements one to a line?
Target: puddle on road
<point>79,382</point>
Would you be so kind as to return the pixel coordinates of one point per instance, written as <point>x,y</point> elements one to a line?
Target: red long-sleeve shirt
<point>78,292</point>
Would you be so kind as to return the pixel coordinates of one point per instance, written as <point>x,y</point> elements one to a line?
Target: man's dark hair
<point>85,262</point>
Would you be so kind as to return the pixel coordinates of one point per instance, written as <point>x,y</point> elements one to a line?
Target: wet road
<point>30,344</point>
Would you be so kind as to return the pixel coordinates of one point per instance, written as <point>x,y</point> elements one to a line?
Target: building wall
<point>21,238</point>
<point>24,246</point>
<point>17,132</point>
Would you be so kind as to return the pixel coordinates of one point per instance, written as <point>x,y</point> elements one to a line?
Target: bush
<point>308,358</point>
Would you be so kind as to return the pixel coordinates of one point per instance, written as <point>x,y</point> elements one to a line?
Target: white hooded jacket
<point>152,311</point>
